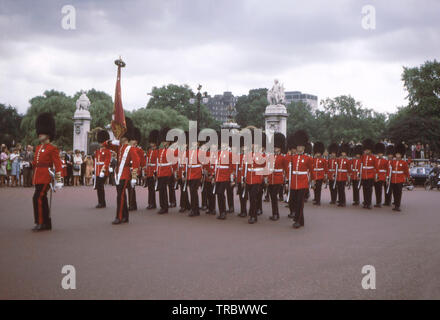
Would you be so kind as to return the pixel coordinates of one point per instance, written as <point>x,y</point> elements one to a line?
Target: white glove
<point>133,183</point>
<point>58,185</point>
<point>110,169</point>
<point>101,174</point>
<point>93,177</point>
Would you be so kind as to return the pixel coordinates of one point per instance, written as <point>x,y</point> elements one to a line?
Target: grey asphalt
<point>177,257</point>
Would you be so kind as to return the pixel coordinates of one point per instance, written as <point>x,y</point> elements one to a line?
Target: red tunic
<point>301,167</point>
<point>223,166</point>
<point>132,158</point>
<point>399,171</point>
<point>381,167</point>
<point>355,168</point>
<point>332,168</point>
<point>46,157</point>
<point>343,169</point>
<point>164,168</point>
<point>368,167</point>
<point>320,168</point>
<point>276,166</point>
<point>194,165</point>
<point>151,162</point>
<point>255,168</point>
<point>102,160</point>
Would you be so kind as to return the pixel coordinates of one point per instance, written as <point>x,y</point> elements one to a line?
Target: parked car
<point>419,173</point>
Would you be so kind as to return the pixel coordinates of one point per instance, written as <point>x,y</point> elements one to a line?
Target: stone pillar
<point>275,120</point>
<point>81,124</point>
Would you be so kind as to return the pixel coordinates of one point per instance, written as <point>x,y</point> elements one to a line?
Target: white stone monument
<point>276,112</point>
<point>81,123</point>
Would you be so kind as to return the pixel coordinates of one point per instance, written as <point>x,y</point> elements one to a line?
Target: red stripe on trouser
<point>40,204</point>
<point>121,207</point>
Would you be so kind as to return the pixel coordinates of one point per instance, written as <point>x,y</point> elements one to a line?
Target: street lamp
<point>200,98</point>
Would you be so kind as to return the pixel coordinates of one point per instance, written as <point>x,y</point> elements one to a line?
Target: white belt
<point>255,169</point>
<point>355,170</point>
<point>164,164</point>
<point>368,167</point>
<point>277,170</point>
<point>299,172</point>
<point>99,163</point>
<point>194,166</point>
<point>382,171</point>
<point>331,170</point>
<point>397,171</point>
<point>151,164</point>
<point>342,170</point>
<point>222,167</point>
<point>318,169</point>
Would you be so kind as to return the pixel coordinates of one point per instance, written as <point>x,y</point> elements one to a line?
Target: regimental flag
<point>119,127</point>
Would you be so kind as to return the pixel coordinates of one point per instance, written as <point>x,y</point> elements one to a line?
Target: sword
<point>186,177</point>
<point>243,193</point>
<point>336,176</point>
<point>215,173</point>
<point>389,179</point>
<point>360,176</point>
<point>290,178</point>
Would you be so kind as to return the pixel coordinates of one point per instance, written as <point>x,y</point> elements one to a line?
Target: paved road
<point>173,256</point>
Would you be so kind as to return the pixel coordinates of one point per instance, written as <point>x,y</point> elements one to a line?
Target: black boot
<point>296,225</point>
<point>162,211</point>
<point>99,206</point>
<point>242,214</point>
<point>259,212</point>
<point>222,216</point>
<point>252,220</point>
<point>275,217</point>
<point>116,221</point>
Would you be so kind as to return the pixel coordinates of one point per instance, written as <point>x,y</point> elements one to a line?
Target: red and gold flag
<point>119,126</point>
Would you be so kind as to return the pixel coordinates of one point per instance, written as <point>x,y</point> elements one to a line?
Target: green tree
<point>10,120</point>
<point>423,86</point>
<point>251,107</point>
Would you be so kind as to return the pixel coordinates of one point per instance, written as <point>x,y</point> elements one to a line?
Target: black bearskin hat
<point>318,147</point>
<point>308,149</point>
<point>357,150</point>
<point>400,148</point>
<point>301,138</point>
<point>379,148</point>
<point>153,137</point>
<point>103,136</point>
<point>137,135</point>
<point>345,147</point>
<point>333,148</point>
<point>163,134</point>
<point>45,124</point>
<point>291,143</point>
<point>130,129</point>
<point>368,144</point>
<point>389,150</point>
<point>279,140</point>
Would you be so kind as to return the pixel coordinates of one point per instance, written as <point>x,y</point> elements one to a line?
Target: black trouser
<point>354,184</point>
<point>220,188</point>
<point>194,191</point>
<point>210,197</point>
<point>388,195</point>
<point>111,178</point>
<point>254,198</point>
<point>162,184</point>
<point>333,190</point>
<point>243,199</point>
<point>205,193</point>
<point>184,198</point>
<point>27,176</point>
<point>99,185</point>
<point>68,179</point>
<point>317,191</point>
<point>230,196</point>
<point>132,204</point>
<point>291,201</point>
<point>121,206</point>
<point>281,194</point>
<point>298,196</point>
<point>151,192</point>
<point>171,190</point>
<point>378,186</point>
<point>367,188</point>
<point>273,190</point>
<point>341,191</point>
<point>260,199</point>
<point>397,193</point>
<point>41,206</point>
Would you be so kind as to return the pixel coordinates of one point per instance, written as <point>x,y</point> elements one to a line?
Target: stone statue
<point>276,95</point>
<point>83,103</point>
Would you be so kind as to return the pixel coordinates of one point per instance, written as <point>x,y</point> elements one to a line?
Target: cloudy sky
<point>317,47</point>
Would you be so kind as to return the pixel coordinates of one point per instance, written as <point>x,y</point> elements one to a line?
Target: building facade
<point>310,99</point>
<point>222,106</point>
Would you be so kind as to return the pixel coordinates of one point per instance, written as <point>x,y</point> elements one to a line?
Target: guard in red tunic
<point>209,168</point>
<point>368,172</point>
<point>182,176</point>
<point>275,179</point>
<point>123,175</point>
<point>150,167</point>
<point>343,173</point>
<point>132,203</point>
<point>222,176</point>
<point>241,179</point>
<point>355,168</point>
<point>300,167</point>
<point>332,167</point>
<point>381,172</point>
<point>319,173</point>
<point>102,162</point>
<point>388,192</point>
<point>164,172</point>
<point>291,151</point>
<point>399,173</point>
<point>46,157</point>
